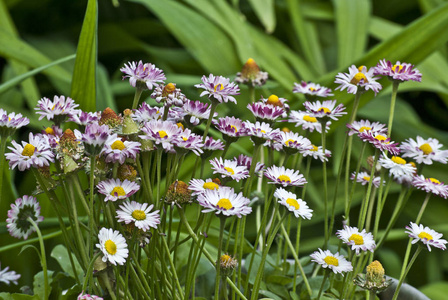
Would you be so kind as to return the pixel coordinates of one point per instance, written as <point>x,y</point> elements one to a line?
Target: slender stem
<point>422,209</point>
<point>326,273</point>
<point>91,221</point>
<point>176,279</point>
<point>324,175</point>
<point>89,271</point>
<point>392,106</point>
<point>209,121</point>
<point>403,275</point>
<point>365,204</point>
<point>138,93</point>
<point>2,165</point>
<point>222,223</point>
<point>352,192</point>
<point>159,176</point>
<point>43,259</point>
<point>251,93</point>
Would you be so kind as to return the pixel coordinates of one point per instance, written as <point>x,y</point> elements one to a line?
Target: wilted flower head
<point>227,264</point>
<point>169,95</point>
<point>374,280</point>
<point>146,74</point>
<point>219,88</point>
<point>17,222</point>
<point>251,74</point>
<point>399,71</point>
<point>179,193</point>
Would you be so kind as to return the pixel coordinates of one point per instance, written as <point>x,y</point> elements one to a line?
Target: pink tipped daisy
<point>17,221</point>
<point>265,112</point>
<point>219,88</point>
<point>224,201</point>
<point>231,127</point>
<point>139,214</point>
<point>397,166</point>
<point>424,150</point>
<point>326,108</point>
<point>358,78</point>
<point>399,71</point>
<point>335,262</point>
<point>10,122</point>
<point>357,240</point>
<point>94,137</point>
<point>246,161</point>
<point>115,189</point>
<point>229,168</point>
<point>145,113</point>
<point>162,133</point>
<point>196,111</point>
<point>83,296</point>
<point>426,235</point>
<point>8,276</point>
<point>293,204</point>
<point>189,141</point>
<point>198,186</point>
<point>60,107</point>
<point>312,89</point>
<point>113,245</point>
<point>380,142</point>
<point>284,177</point>
<point>260,132</point>
<point>36,153</point>
<point>317,153</point>
<point>307,121</point>
<point>117,150</point>
<point>365,125</point>
<point>431,185</point>
<point>364,178</point>
<point>146,74</point>
<point>84,118</point>
<point>292,142</point>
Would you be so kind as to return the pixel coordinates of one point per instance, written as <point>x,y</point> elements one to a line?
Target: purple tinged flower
<point>292,142</point>
<point>36,153</point>
<point>212,145</point>
<point>326,108</point>
<point>265,112</point>
<point>317,153</point>
<point>246,161</point>
<point>117,150</point>
<point>169,95</point>
<point>84,118</point>
<point>189,141</point>
<point>426,235</point>
<point>424,150</point>
<point>399,71</point>
<point>162,133</point>
<point>139,214</point>
<point>380,142</point>
<point>147,74</point>
<point>145,113</point>
<point>307,121</point>
<point>358,78</point>
<point>229,168</point>
<point>260,132</point>
<point>8,276</point>
<point>431,185</point>
<point>94,137</point>
<point>224,201</point>
<point>23,208</point>
<point>312,89</point>
<point>231,126</point>
<point>198,186</point>
<point>365,125</point>
<point>115,189</point>
<point>10,122</point>
<point>364,178</point>
<point>219,88</point>
<point>197,111</point>
<point>284,177</point>
<point>60,106</point>
<point>83,296</point>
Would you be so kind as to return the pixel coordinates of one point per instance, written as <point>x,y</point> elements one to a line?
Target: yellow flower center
<point>274,100</point>
<point>234,128</point>
<point>357,238</point>
<point>293,202</point>
<point>381,138</point>
<point>118,191</point>
<point>162,134</point>
<point>331,260</point>
<point>224,203</point>
<point>289,141</point>
<point>358,77</point>
<point>117,145</point>
<point>180,125</point>
<point>111,247</point>
<point>366,178</point>
<point>312,89</point>
<point>225,258</point>
<point>424,235</point>
<point>426,148</point>
<point>398,160</point>
<point>309,119</point>
<point>284,178</point>
<point>28,150</point>
<point>360,68</point>
<point>230,170</point>
<point>210,186</point>
<point>314,148</point>
<point>395,67</point>
<point>139,214</point>
<point>170,87</point>
<point>433,180</point>
<point>49,130</point>
<point>324,109</point>
<point>263,131</point>
<point>185,138</point>
<point>364,128</point>
<point>219,87</point>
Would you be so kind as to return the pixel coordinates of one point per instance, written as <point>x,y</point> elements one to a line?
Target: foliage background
<point>293,40</point>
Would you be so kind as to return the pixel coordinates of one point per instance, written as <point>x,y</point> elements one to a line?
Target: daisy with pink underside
<point>115,189</point>
<point>60,107</point>
<point>292,142</point>
<point>147,74</point>
<point>364,178</point>
<point>188,141</point>
<point>224,201</point>
<point>365,125</point>
<point>196,111</point>
<point>326,108</point>
<point>312,89</point>
<point>145,113</point>
<point>36,153</point>
<point>358,80</point>
<point>260,132</point>
<point>162,133</point>
<point>246,161</point>
<point>10,122</point>
<point>308,122</point>
<point>317,153</point>
<point>218,87</point>
<point>424,150</point>
<point>430,185</point>
<point>84,118</point>
<point>399,71</point>
<point>380,142</point>
<point>231,127</point>
<point>284,177</point>
<point>229,168</point>
<point>265,112</point>
<point>358,240</point>
<point>426,235</point>
<point>117,150</point>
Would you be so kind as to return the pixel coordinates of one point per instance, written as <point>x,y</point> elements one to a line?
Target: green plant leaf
<point>59,253</point>
<point>436,290</point>
<point>38,283</point>
<point>265,11</point>
<point>84,75</point>
<point>7,296</point>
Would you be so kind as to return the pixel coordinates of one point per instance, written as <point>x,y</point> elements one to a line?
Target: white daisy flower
<point>365,125</point>
<point>113,245</point>
<point>139,214</point>
<point>8,277</point>
<point>317,153</point>
<point>229,168</point>
<point>308,122</point>
<point>364,178</point>
<point>290,200</point>
<point>424,150</point>
<point>379,141</point>
<point>161,132</point>
<point>17,223</point>
<point>358,78</point>
<point>325,108</point>
<point>284,177</point>
<point>312,89</point>
<point>219,88</point>
<point>198,186</point>
<point>335,262</point>
<point>115,150</point>
<point>144,73</point>
<point>83,296</point>
<point>292,142</point>
<point>397,166</point>
<point>115,189</point>
<point>225,201</point>
<point>426,235</point>
<point>358,240</point>
<point>431,185</point>
<point>59,107</point>
<point>260,132</point>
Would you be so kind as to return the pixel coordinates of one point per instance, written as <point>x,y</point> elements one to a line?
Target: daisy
<point>358,240</point>
<point>83,296</point>
<point>145,113</point>
<point>94,137</point>
<point>169,95</point>
<point>317,153</point>
<point>290,201</point>
<point>265,112</point>
<point>198,186</point>
<point>161,132</point>
<point>365,125</point>
<point>229,168</point>
<point>380,142</point>
<point>430,185</point>
<point>224,201</point>
<point>219,88</point>
<point>211,145</point>
<point>336,262</point>
<point>312,89</point>
<point>115,150</point>
<point>113,245</point>
<point>358,77</point>
<point>8,277</point>
<point>139,214</point>
<point>397,166</point>
<point>196,111</point>
<point>426,235</point>
<point>23,208</point>
<point>36,153</point>
<point>399,71</point>
<point>146,74</point>
<point>251,74</point>
<point>189,141</point>
<point>293,142</point>
<point>284,177</point>
<point>308,122</point>
<point>275,100</point>
<point>231,126</point>
<point>115,189</point>
<point>60,107</point>
<point>424,150</point>
<point>84,118</point>
<point>10,122</point>
<point>364,178</point>
<point>260,132</point>
<point>246,161</point>
<point>326,108</point>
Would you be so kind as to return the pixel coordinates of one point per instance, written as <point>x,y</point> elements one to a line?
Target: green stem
<point>91,199</point>
<point>176,279</point>
<point>2,165</point>
<point>352,192</point>
<point>403,275</point>
<point>209,121</point>
<point>138,93</point>
<point>324,175</point>
<point>326,273</point>
<point>222,223</point>
<point>89,271</point>
<point>365,204</point>
<point>422,209</point>
<point>392,106</point>
<point>43,260</point>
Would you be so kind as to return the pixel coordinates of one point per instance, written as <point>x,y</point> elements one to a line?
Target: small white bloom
<point>224,201</point>
<point>424,150</point>
<point>358,240</point>
<point>290,201</point>
<point>335,262</point>
<point>139,214</point>
<point>113,245</point>
<point>426,235</point>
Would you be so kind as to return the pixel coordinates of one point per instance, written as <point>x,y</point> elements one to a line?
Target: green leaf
<point>83,89</point>
<point>7,296</point>
<point>38,283</point>
<point>106,98</point>
<point>28,247</point>
<point>60,254</point>
<point>265,11</point>
<point>436,290</point>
